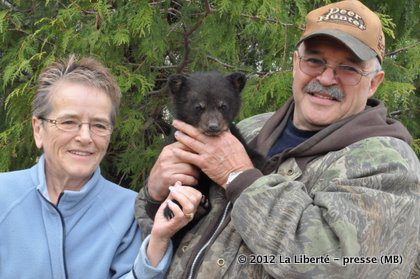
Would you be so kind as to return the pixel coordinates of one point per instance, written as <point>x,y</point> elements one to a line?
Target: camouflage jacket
<point>347,209</point>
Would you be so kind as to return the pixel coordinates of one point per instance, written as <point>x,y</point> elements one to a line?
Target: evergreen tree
<point>143,42</point>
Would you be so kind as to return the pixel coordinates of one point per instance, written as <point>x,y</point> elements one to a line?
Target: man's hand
<point>216,156</point>
<point>167,170</point>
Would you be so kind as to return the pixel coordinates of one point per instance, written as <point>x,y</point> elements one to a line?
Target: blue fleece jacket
<point>90,234</point>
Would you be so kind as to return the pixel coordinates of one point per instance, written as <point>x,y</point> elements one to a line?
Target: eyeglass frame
<point>79,126</point>
<point>326,65</point>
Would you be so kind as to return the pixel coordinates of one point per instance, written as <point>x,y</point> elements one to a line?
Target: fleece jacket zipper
<point>63,225</point>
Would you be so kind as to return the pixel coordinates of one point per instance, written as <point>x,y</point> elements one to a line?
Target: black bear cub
<point>209,101</point>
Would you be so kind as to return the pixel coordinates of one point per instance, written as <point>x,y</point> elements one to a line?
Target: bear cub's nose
<point>214,128</point>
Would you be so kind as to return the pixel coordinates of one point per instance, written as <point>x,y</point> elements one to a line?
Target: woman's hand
<point>163,229</point>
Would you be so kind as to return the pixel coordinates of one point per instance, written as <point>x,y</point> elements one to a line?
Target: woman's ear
<point>38,131</point>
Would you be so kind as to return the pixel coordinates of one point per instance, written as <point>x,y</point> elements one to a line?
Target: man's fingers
<point>187,180</point>
<point>187,169</point>
<point>188,157</point>
<point>193,143</point>
<point>187,129</point>
<point>180,145</point>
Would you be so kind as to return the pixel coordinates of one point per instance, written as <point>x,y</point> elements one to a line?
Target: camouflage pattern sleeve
<point>351,213</point>
<point>143,220</point>
<point>250,127</point>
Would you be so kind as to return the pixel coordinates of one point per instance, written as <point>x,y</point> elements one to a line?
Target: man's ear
<point>238,80</point>
<point>38,131</point>
<point>375,82</point>
<point>176,83</point>
<point>295,62</point>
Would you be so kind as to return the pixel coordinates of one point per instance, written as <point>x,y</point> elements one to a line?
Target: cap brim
<point>356,46</point>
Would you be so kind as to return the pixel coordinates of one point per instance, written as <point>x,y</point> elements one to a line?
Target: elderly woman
<point>61,218</point>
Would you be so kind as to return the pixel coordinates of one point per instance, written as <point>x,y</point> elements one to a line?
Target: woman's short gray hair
<point>85,71</point>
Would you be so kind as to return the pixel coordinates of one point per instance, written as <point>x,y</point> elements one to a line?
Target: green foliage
<point>143,42</point>
<point>388,25</point>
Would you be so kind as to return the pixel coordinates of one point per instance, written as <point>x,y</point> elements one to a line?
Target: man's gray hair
<point>377,65</point>
<point>86,71</point>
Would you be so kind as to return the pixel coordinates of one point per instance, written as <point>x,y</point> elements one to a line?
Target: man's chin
<point>314,123</point>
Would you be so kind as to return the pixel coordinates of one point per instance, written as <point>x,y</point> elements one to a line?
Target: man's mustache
<point>314,86</point>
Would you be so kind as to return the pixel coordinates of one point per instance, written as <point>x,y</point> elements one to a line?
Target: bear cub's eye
<point>222,107</point>
<point>199,107</point>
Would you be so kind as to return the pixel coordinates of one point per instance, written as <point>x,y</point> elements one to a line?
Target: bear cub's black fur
<point>209,101</point>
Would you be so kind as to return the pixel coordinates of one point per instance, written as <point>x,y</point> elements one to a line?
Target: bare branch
<point>30,34</point>
<point>20,30</point>
<point>164,67</point>
<point>154,92</point>
<point>395,113</point>
<point>197,25</point>
<point>285,46</point>
<point>90,11</point>
<point>155,3</point>
<point>402,49</point>
<point>250,72</point>
<point>209,9</point>
<point>187,50</point>
<point>220,62</point>
<point>176,3</point>
<point>187,40</point>
<point>173,12</point>
<point>7,4</point>
<point>267,19</point>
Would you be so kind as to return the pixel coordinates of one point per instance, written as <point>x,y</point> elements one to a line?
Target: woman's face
<point>72,157</point>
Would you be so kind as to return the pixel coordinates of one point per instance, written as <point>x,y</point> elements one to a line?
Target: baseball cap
<point>350,22</point>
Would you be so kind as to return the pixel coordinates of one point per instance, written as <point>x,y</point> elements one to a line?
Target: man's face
<point>314,107</point>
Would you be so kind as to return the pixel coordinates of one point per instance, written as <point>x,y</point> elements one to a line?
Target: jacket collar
<point>371,122</point>
<point>70,201</point>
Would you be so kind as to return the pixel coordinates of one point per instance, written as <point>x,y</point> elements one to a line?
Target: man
<point>339,195</point>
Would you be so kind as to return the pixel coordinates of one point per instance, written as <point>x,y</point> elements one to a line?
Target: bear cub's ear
<point>238,80</point>
<point>176,82</point>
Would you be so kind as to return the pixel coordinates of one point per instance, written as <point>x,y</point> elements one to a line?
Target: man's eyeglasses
<point>348,75</point>
<point>99,128</point>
